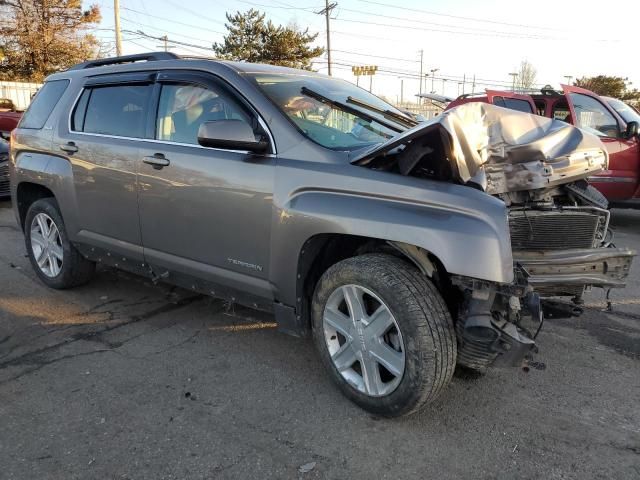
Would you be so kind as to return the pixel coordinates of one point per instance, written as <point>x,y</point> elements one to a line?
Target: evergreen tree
<point>252,39</point>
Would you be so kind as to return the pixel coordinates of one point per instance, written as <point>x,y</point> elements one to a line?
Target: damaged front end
<point>559,225</point>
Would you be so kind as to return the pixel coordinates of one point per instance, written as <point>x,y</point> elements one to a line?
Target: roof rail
<point>149,57</point>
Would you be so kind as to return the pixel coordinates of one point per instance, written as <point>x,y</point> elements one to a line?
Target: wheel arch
<point>26,194</point>
<point>321,251</point>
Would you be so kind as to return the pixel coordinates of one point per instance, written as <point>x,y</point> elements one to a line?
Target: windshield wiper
<point>346,108</point>
<point>398,117</point>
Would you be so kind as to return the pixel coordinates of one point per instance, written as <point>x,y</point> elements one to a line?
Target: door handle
<point>69,147</point>
<point>157,161</point>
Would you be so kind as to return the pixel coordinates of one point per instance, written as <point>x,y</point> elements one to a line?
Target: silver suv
<point>403,248</point>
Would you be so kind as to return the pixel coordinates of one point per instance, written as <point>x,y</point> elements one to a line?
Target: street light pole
<point>569,78</point>
<point>433,76</point>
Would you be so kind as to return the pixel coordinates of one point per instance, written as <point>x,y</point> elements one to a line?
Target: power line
<point>284,7</point>
<point>165,38</point>
<point>459,17</point>
<point>470,29</point>
<point>165,31</point>
<point>411,27</point>
<point>191,25</point>
<point>377,56</point>
<point>193,12</point>
<point>462,30</point>
<point>390,71</point>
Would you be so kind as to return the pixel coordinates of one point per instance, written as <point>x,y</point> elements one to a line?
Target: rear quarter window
<point>43,104</point>
<point>513,104</point>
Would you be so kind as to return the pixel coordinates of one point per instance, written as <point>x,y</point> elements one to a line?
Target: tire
<point>62,266</point>
<point>421,331</point>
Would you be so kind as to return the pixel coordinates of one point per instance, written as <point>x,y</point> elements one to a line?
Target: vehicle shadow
<point>625,218</point>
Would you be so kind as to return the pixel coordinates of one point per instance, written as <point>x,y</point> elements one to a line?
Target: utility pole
<point>513,83</point>
<point>401,91</point>
<point>421,56</point>
<point>473,86</point>
<point>464,81</point>
<point>164,45</point>
<point>116,12</point>
<point>326,11</point>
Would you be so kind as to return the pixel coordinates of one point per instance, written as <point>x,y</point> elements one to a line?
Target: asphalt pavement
<point>121,379</point>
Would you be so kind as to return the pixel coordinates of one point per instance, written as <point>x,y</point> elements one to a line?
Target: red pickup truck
<point>9,117</point>
<point>613,121</point>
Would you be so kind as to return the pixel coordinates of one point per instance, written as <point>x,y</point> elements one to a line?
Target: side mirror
<point>232,135</point>
<point>632,129</point>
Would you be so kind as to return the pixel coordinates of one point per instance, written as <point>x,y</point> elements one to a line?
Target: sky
<point>460,38</point>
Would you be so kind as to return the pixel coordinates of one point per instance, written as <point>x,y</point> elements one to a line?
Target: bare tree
<point>526,78</point>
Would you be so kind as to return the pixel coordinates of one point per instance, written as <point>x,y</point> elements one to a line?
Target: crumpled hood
<point>505,150</point>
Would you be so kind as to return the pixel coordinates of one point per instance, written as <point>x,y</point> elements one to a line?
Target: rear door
<point>101,140</point>
<point>592,114</point>
<point>512,100</point>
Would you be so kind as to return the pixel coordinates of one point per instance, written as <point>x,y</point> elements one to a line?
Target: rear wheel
<point>55,260</point>
<point>384,333</point>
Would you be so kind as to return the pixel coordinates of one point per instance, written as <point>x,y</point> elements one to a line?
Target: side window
<point>513,104</point>
<point>77,120</point>
<point>561,111</point>
<point>592,116</point>
<point>184,107</point>
<point>43,104</point>
<point>114,110</point>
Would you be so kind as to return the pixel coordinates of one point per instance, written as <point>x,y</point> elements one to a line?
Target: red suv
<point>613,121</point>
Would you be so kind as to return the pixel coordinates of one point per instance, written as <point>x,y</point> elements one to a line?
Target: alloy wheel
<point>364,340</point>
<point>46,245</point>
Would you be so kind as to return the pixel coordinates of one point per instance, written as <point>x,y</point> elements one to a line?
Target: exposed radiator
<point>554,229</point>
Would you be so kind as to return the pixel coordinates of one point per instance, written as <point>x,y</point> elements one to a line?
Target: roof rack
<point>149,57</point>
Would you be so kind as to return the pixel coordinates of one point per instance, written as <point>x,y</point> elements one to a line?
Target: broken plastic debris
<point>307,467</point>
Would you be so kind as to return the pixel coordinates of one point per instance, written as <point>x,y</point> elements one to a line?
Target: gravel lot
<point>120,379</point>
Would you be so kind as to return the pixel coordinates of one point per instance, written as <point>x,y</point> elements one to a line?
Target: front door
<point>590,113</point>
<point>204,213</point>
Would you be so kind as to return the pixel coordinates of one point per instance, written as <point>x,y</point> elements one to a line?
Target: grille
<point>552,230</point>
<point>4,180</point>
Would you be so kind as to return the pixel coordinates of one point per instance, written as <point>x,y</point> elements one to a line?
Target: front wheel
<point>384,333</point>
